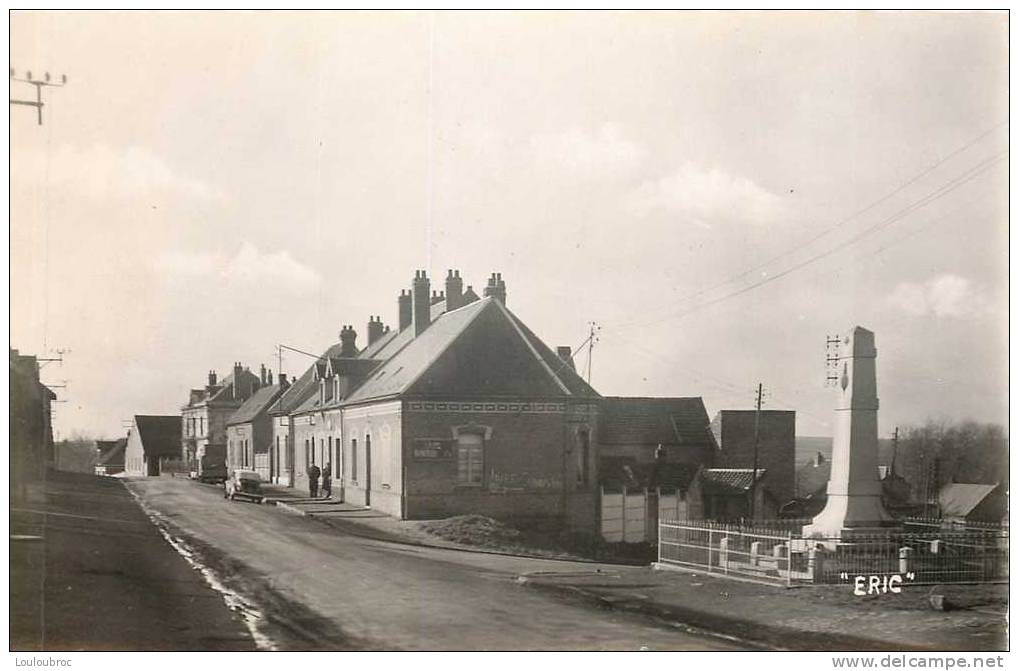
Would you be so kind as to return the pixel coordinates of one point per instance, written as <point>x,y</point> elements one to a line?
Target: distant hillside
<point>808,446</point>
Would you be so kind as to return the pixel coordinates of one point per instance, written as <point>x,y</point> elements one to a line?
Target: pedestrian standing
<point>313,473</point>
<point>327,481</point>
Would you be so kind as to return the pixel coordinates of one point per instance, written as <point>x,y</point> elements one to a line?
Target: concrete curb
<point>704,623</point>
<point>293,510</point>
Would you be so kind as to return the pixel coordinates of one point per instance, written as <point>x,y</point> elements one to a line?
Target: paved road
<point>317,588</point>
<point>88,571</point>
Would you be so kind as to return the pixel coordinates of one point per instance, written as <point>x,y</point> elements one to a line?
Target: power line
<point>938,193</point>
<point>849,218</point>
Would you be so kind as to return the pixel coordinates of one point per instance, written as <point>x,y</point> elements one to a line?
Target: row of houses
<point>460,407</point>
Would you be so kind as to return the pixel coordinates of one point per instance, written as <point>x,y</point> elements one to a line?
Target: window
<point>309,458</point>
<point>583,453</point>
<point>336,462</point>
<point>201,426</point>
<point>469,459</point>
<point>329,454</point>
<point>353,459</point>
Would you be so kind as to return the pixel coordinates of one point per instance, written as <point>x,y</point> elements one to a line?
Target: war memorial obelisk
<point>854,490</point>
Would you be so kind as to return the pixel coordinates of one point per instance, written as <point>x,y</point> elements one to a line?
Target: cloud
<point>102,172</point>
<point>705,197</point>
<point>942,296</point>
<point>248,267</point>
<point>590,155</point>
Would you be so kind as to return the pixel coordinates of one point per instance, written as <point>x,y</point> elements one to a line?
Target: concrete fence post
<point>723,553</point>
<point>755,553</point>
<point>815,563</point>
<point>623,539</point>
<point>905,559</point>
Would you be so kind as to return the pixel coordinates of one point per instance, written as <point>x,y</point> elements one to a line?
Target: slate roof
<point>300,389</point>
<point>650,421</point>
<point>443,359</point>
<point>728,480</point>
<point>410,361</point>
<point>616,472</point>
<point>959,499</point>
<point>160,434</point>
<point>111,452</point>
<point>251,408</point>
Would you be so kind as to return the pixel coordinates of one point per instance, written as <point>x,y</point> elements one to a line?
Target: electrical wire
<point>850,217</point>
<point>931,197</point>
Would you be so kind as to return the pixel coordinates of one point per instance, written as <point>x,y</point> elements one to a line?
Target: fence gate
<point>633,516</point>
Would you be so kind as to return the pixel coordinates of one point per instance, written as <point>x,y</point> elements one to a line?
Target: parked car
<point>244,485</point>
<point>212,471</point>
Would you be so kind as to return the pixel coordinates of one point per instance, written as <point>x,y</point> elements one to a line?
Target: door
<point>367,470</point>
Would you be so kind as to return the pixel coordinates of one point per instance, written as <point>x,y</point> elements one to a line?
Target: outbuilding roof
<point>654,421</point>
<point>724,480</point>
<point>958,499</point>
<point>112,452</point>
<point>159,434</point>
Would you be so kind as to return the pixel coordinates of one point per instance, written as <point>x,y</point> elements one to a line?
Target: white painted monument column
<point>854,490</point>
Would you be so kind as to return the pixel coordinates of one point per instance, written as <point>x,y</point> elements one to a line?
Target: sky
<point>719,192</point>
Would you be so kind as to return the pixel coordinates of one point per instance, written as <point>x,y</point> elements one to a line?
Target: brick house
<point>776,451</point>
<point>249,430</point>
<point>204,418</point>
<point>462,409</point>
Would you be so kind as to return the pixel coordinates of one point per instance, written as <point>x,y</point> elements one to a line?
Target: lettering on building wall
<point>432,449</point>
<point>520,482</point>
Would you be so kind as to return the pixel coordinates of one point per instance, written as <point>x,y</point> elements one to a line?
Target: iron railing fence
<point>777,557</point>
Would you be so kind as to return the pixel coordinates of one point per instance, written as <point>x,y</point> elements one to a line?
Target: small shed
<point>971,502</point>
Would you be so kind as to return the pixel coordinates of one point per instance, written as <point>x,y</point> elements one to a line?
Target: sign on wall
<point>432,449</point>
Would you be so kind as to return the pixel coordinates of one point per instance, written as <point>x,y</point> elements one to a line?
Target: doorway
<point>367,470</point>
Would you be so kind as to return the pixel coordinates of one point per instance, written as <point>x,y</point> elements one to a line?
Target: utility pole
<point>592,338</point>
<point>895,451</point>
<point>757,438</point>
<point>38,84</point>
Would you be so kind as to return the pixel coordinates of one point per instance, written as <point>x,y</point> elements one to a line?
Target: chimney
<point>405,309</point>
<point>566,355</point>
<point>374,329</point>
<point>268,377</point>
<point>253,385</point>
<point>284,382</point>
<point>496,288</point>
<point>420,300</point>
<point>237,379</point>
<point>438,297</point>
<point>454,290</point>
<point>261,374</point>
<point>212,378</point>
<point>348,336</point>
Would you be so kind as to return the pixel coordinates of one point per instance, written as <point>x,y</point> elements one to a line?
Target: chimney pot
<point>566,354</point>
<point>374,329</point>
<point>348,338</point>
<point>405,310</point>
<point>454,291</point>
<point>496,288</point>
<point>421,313</point>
